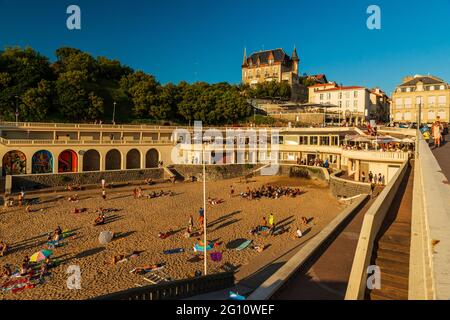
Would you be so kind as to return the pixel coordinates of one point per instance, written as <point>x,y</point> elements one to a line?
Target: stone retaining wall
<point>214,172</point>
<point>308,172</point>
<point>43,181</point>
<point>346,188</point>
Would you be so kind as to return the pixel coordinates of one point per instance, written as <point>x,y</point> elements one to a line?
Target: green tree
<point>36,102</point>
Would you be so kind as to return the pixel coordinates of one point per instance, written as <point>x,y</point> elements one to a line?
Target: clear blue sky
<point>203,40</point>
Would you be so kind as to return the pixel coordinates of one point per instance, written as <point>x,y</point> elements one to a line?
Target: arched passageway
<point>113,160</point>
<point>67,161</point>
<point>42,162</point>
<point>14,162</point>
<point>91,160</point>
<point>152,158</point>
<point>133,159</point>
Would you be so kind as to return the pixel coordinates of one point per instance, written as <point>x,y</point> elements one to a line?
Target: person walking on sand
<point>271,221</point>
<point>191,222</point>
<point>104,194</point>
<point>201,217</point>
<point>231,191</point>
<point>103,183</point>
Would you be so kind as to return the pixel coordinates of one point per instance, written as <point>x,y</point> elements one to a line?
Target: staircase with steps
<point>392,247</point>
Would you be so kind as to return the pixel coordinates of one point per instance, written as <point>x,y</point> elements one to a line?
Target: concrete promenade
<point>327,277</point>
<point>442,155</point>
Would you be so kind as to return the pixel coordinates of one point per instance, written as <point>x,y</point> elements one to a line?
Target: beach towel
<point>172,251</point>
<point>209,247</point>
<point>235,296</point>
<point>216,256</point>
<point>244,245</point>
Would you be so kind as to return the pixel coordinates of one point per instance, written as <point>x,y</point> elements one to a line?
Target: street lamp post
<point>17,110</point>
<point>204,210</point>
<point>114,113</point>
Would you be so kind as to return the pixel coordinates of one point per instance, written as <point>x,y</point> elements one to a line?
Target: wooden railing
<point>178,289</point>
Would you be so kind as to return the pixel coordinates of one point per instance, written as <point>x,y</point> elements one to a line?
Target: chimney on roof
<point>407,78</point>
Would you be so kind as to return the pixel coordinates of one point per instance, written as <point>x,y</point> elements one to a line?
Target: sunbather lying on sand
<point>146,269</point>
<point>297,234</point>
<point>164,235</point>
<point>73,198</point>
<point>215,201</point>
<point>259,248</point>
<point>123,258</point>
<point>100,220</point>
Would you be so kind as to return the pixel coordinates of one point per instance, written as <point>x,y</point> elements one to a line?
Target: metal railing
<point>178,289</point>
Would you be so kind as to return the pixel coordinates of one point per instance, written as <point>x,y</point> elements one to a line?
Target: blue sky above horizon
<point>203,40</point>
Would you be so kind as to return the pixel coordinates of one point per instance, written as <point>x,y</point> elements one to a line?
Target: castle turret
<point>295,60</point>
<point>244,61</point>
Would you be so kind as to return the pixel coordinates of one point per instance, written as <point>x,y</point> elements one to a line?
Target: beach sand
<point>138,223</point>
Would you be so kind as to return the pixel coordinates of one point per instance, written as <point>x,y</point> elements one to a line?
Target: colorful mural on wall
<point>67,161</point>
<point>42,162</point>
<point>14,162</point>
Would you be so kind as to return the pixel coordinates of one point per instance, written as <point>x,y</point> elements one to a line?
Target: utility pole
<point>17,110</point>
<point>205,244</point>
<point>114,113</point>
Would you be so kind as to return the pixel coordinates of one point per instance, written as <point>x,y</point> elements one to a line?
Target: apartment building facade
<point>428,93</point>
<point>355,104</point>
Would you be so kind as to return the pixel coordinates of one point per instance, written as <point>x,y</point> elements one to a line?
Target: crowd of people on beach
<point>193,230</point>
<point>270,192</point>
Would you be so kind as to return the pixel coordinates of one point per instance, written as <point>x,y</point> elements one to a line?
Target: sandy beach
<point>137,223</point>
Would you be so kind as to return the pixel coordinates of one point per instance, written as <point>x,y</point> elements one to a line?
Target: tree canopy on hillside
<point>80,87</point>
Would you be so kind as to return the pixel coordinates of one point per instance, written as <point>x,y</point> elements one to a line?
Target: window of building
<point>313,140</point>
<point>355,94</point>
<point>442,114</point>
<point>408,102</point>
<point>442,100</point>
<point>321,96</point>
<point>442,87</point>
<point>398,116</point>
<point>328,96</point>
<point>431,115</point>
<point>340,95</point>
<point>303,140</point>
<point>324,141</point>
<point>347,95</point>
<point>271,61</point>
<point>347,104</point>
<point>334,141</point>
<point>432,100</point>
<point>431,88</point>
<point>398,103</point>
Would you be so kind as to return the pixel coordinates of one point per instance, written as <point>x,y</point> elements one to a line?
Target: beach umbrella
<point>40,255</point>
<point>105,237</point>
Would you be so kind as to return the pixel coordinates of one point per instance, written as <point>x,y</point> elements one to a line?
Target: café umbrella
<point>40,255</point>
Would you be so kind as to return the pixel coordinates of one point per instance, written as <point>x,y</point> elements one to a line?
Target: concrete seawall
<point>346,188</point>
<point>44,181</point>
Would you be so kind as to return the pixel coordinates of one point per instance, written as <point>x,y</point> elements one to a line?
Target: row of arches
<point>15,162</point>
